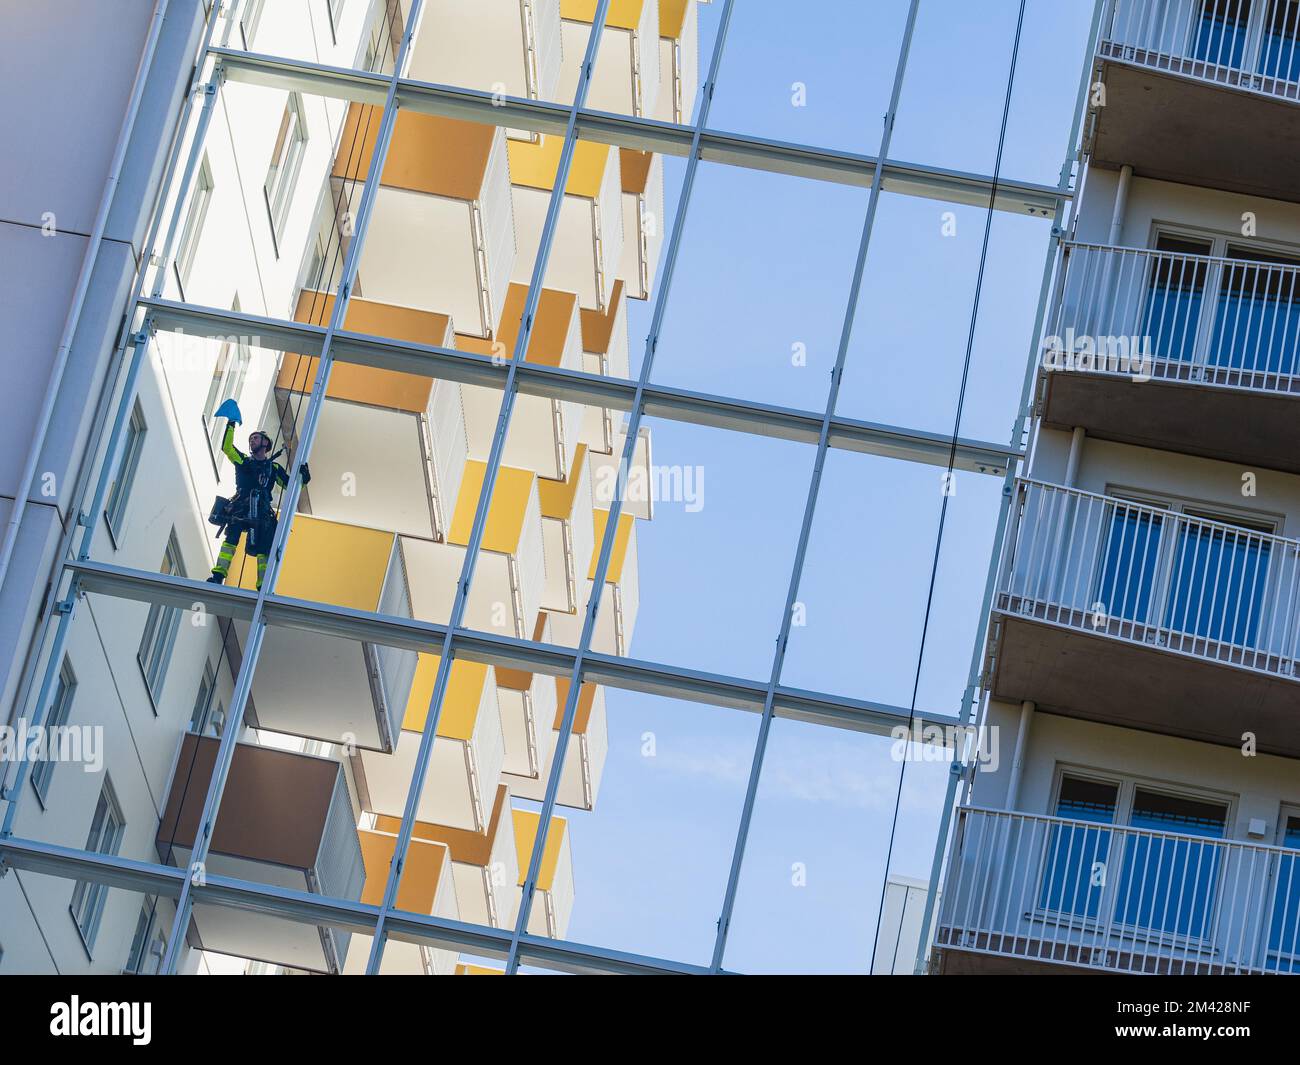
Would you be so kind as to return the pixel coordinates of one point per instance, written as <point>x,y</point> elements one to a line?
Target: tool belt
<point>251,512</point>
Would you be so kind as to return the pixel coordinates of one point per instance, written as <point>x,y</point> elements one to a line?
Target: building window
<point>160,628</point>
<point>115,512</point>
<point>248,21</point>
<point>286,161</point>
<point>148,945</point>
<point>335,9</point>
<point>105,837</point>
<point>208,715</point>
<point>194,219</point>
<point>60,707</point>
<point>228,376</point>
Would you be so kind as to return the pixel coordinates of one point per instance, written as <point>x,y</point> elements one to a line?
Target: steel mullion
<point>495,458</point>
<point>288,505</point>
<point>810,505</point>
<point>632,431</point>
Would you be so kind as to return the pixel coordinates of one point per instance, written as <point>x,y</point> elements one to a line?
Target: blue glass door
<point>1221,32</point>
<point>1284,926</point>
<point>1257,314</point>
<point>1217,583</point>
<point>1128,564</point>
<point>1169,884</point>
<point>1076,855</point>
<point>1175,296</point>
<point>1279,55</point>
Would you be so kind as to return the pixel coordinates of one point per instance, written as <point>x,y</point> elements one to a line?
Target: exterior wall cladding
<point>421,684</point>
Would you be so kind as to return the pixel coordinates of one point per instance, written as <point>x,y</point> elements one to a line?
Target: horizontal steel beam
<point>552,659</point>
<point>643,134</point>
<point>674,404</point>
<point>304,907</point>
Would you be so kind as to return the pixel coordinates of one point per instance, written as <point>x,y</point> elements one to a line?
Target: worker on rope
<point>249,510</point>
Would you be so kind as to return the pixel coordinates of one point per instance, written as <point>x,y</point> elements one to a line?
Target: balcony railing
<point>1144,313</point>
<point>1148,574</point>
<point>1116,898</point>
<point>1247,44</point>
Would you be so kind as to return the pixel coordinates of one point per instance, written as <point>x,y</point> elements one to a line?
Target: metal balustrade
<point>1148,574</point>
<point>1116,898</point>
<point>1147,313</point>
<point>1242,43</point>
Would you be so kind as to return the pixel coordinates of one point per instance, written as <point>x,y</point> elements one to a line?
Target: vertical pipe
<point>1018,759</point>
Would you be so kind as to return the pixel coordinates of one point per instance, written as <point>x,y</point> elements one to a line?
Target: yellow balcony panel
<point>679,60</point>
<point>626,78</point>
<point>465,764</point>
<point>425,888</point>
<point>527,702</point>
<point>324,687</point>
<point>446,185</point>
<point>589,232</point>
<point>406,474</point>
<point>604,352</point>
<point>643,219</point>
<point>285,819</point>
<point>543,432</point>
<point>507,45</point>
<point>478,970</point>
<point>568,535</point>
<point>584,759</point>
<point>484,865</point>
<point>553,903</point>
<point>619,601</point>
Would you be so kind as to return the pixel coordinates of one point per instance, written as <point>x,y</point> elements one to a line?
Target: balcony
<point>511,46</point>
<point>643,219</point>
<point>445,185</point>
<point>1188,353</point>
<point>604,352</point>
<point>425,888</point>
<point>460,784</point>
<point>589,232</point>
<point>553,902</point>
<point>543,432</point>
<point>620,594</point>
<point>413,426</point>
<point>284,819</point>
<point>1149,618</point>
<point>584,759</point>
<point>484,865</point>
<point>626,75</point>
<point>510,571</point>
<point>568,535</point>
<point>1025,893</point>
<point>679,60</point>
<point>337,690</point>
<point>525,699</point>
<point>1202,92</point>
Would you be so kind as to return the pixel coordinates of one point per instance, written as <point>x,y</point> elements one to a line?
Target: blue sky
<point>764,275</point>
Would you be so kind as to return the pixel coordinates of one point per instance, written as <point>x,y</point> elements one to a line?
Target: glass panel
<point>1169,884</point>
<point>341,33</point>
<point>1257,320</point>
<point>1222,32</point>
<point>1218,584</point>
<point>1175,292</point>
<point>1129,564</point>
<point>1075,859</point>
<point>818,75</point>
<point>759,294</point>
<point>1279,55</point>
<point>1284,926</point>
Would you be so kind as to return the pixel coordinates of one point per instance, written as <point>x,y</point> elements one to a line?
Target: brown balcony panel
<point>285,819</point>
<point>1099,676</point>
<point>1223,417</point>
<point>1171,127</point>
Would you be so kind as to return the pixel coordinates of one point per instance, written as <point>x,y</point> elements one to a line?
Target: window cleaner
<point>249,510</point>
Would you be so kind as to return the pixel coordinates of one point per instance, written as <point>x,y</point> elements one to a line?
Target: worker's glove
<point>306,473</point>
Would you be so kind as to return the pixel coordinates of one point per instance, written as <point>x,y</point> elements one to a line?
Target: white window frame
<point>286,162</point>
<point>60,709</point>
<point>188,247</point>
<point>107,827</point>
<point>120,494</point>
<point>158,640</point>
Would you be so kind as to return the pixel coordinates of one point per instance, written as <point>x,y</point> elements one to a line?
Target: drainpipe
<point>28,478</point>
<point>1018,759</point>
<point>1072,461</point>
<point>1121,203</point>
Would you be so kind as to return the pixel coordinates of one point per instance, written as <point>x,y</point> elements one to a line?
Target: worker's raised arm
<point>228,446</point>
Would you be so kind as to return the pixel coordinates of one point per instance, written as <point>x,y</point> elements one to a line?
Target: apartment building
<point>1141,661</point>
